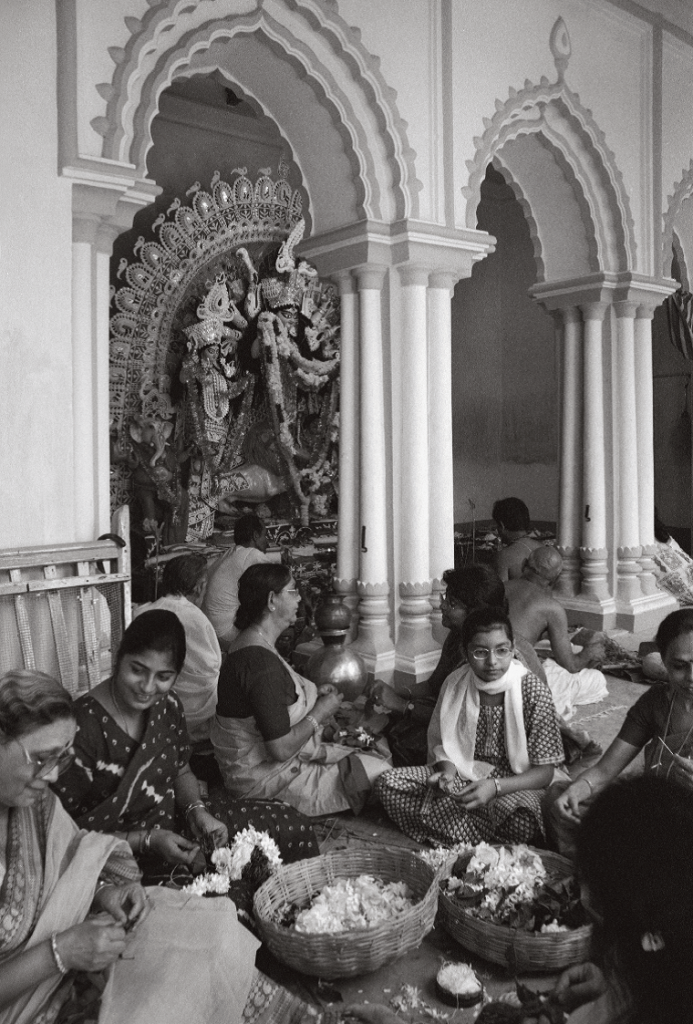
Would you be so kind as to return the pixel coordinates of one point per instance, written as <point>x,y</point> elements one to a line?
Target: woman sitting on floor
<point>131,775</point>
<point>467,589</point>
<point>493,743</point>
<point>661,722</point>
<point>183,584</point>
<point>71,902</point>
<point>267,735</point>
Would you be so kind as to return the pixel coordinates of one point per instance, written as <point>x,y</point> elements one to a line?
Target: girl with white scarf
<point>493,743</point>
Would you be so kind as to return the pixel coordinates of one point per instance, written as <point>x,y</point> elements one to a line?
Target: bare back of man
<point>510,561</point>
<point>534,611</point>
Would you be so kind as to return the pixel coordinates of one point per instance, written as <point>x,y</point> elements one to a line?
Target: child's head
<point>488,642</point>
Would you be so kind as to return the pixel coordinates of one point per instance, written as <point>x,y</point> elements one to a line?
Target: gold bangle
<point>585,779</point>
<point>313,722</point>
<point>56,955</point>
<point>496,783</point>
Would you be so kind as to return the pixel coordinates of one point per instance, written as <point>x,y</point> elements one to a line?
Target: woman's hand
<point>92,945</point>
<point>380,695</point>
<point>682,770</point>
<point>173,848</point>
<point>442,780</point>
<point>202,824</point>
<point>568,803</point>
<point>327,704</point>
<point>477,794</point>
<point>326,689</point>
<point>579,985</point>
<point>127,904</point>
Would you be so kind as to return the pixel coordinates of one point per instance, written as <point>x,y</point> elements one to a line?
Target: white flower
<point>361,902</point>
<point>230,860</point>
<point>208,883</point>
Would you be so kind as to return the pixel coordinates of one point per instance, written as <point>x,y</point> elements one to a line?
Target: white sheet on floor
<point>570,689</point>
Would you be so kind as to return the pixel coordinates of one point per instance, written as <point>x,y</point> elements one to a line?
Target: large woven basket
<point>513,948</point>
<point>358,951</point>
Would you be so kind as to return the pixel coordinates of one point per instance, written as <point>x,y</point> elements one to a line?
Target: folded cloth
<point>570,689</point>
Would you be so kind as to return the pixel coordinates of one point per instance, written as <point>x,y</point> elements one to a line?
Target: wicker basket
<point>353,952</point>
<point>513,948</point>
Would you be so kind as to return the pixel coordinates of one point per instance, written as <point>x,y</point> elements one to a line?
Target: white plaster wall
<point>677,124</point>
<point>36,499</point>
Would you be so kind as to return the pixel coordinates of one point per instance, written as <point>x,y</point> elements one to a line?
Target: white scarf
<point>452,732</point>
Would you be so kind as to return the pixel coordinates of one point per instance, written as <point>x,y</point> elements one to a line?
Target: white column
<point>348,518</point>
<point>593,551</point>
<point>374,640</point>
<point>414,638</point>
<point>102,415</point>
<point>644,398</point>
<point>85,427</point>
<point>627,521</point>
<point>570,466</point>
<point>440,463</point>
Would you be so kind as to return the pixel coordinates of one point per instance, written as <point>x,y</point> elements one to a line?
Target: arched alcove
<point>304,68</point>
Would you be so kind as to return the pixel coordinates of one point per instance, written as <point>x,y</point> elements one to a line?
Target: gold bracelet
<point>146,841</point>
<point>585,779</point>
<point>56,955</point>
<point>313,722</point>
<point>496,783</point>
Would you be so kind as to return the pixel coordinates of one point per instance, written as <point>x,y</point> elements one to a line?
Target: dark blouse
<point>253,683</point>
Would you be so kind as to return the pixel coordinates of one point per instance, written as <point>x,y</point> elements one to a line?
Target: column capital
<point>443,279</point>
<point>411,274</point>
<point>370,276</point>
<point>625,309</point>
<point>344,279</point>
<point>593,310</point>
<point>603,287</point>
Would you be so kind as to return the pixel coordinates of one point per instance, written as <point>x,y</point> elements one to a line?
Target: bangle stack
<point>496,783</point>
<point>313,722</point>
<point>56,955</point>
<point>146,841</point>
<point>193,806</point>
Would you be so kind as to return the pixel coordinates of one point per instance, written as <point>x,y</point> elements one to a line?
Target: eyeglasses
<point>484,653</point>
<point>451,602</point>
<point>290,590</point>
<point>42,766</point>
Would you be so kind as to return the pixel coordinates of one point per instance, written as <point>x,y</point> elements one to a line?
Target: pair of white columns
<point>606,498</point>
<point>423,492</point>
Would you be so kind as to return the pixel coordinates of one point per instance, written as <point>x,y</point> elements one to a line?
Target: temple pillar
<point>440,466</point>
<point>88,518</point>
<point>415,640</point>
<point>374,641</point>
<point>594,591</point>
<point>569,330</point>
<point>644,399</point>
<point>628,549</point>
<point>349,444</point>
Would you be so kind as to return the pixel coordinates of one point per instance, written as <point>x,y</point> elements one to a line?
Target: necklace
<point>256,629</point>
<point>118,708</point>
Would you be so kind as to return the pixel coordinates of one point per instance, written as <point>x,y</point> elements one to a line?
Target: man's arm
<point>557,626</point>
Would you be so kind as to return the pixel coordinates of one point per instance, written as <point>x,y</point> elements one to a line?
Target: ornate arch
<point>671,237</point>
<point>553,115</point>
<point>314,40</point>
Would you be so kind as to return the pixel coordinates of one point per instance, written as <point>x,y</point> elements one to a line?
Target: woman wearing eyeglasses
<point>267,734</point>
<point>52,876</point>
<point>493,744</point>
<point>131,775</point>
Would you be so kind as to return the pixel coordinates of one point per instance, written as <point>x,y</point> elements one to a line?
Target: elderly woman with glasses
<point>52,876</point>
<point>493,744</point>
<point>267,734</point>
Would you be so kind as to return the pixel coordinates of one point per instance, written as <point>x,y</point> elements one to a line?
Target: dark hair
<point>482,621</point>
<point>181,575</point>
<point>246,529</point>
<point>254,588</point>
<point>476,586</point>
<point>512,513</point>
<point>29,700</point>
<point>155,630</point>
<point>634,854</point>
<point>675,625</point>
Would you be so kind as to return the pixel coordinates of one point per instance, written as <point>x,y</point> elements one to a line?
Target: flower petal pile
<point>362,902</point>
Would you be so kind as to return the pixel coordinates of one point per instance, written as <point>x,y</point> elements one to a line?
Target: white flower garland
<point>229,862</point>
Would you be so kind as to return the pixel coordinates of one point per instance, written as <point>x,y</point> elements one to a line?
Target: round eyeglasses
<point>42,766</point>
<point>484,653</point>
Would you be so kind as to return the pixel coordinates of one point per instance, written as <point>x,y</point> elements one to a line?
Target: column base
<point>373,640</point>
<point>646,612</point>
<point>588,611</point>
<point>413,668</point>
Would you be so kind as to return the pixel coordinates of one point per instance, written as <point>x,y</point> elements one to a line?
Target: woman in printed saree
<point>493,743</point>
<point>131,775</point>
<point>71,903</point>
<point>267,734</point>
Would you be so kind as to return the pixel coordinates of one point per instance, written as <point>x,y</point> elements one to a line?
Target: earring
<point>652,942</point>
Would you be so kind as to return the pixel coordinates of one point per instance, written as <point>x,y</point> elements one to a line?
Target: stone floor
<point>419,967</point>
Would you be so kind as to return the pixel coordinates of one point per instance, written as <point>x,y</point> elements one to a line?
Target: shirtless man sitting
<point>535,611</point>
<point>511,517</point>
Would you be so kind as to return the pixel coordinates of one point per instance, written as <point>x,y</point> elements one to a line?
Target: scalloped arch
<point>683,191</point>
<point>554,117</point>
<point>321,51</point>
